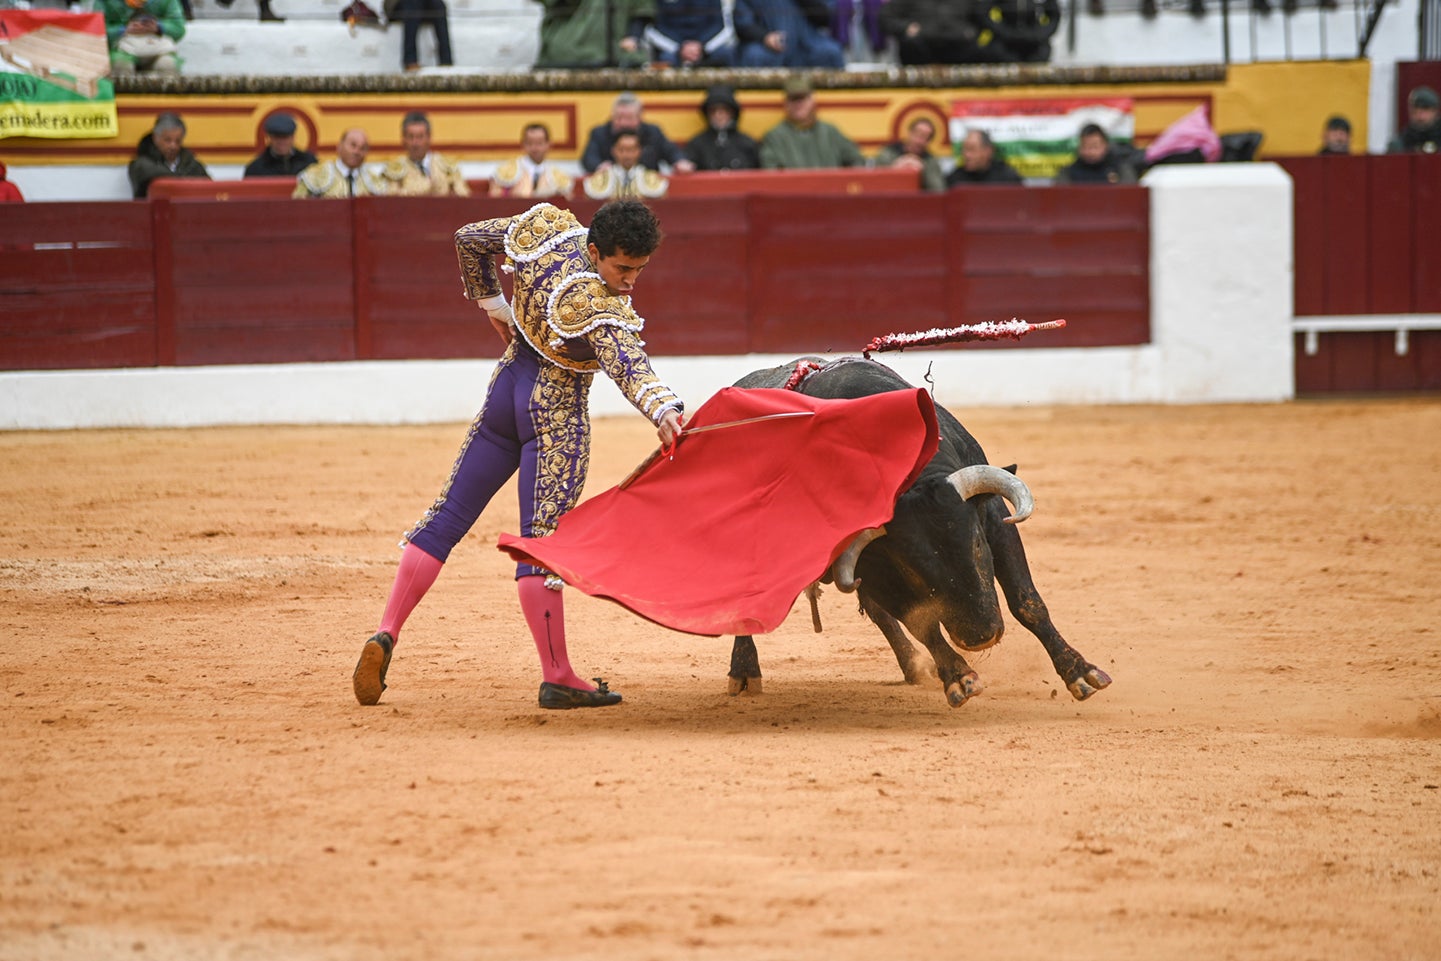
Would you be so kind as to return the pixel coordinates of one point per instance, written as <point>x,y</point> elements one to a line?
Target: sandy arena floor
<point>186,775</point>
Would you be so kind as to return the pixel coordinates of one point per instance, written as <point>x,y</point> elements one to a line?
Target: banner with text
<point>53,70</point>
<point>1039,136</point>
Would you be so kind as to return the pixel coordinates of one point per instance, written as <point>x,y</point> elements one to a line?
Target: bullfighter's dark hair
<point>625,225</point>
<point>415,116</point>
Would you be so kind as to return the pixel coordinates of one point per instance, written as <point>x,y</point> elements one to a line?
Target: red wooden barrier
<point>77,286</point>
<point>255,281</point>
<point>1368,239</point>
<point>848,181</point>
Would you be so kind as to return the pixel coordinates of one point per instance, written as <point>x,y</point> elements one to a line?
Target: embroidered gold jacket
<point>513,179</point>
<point>324,180</point>
<point>443,179</point>
<point>562,307</point>
<point>614,184</point>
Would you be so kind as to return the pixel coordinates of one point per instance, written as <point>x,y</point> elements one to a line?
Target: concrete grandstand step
<point>500,42</point>
<point>330,9</point>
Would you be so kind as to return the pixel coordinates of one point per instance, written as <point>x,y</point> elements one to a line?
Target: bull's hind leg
<point>1014,575</point>
<point>915,664</point>
<point>745,672</point>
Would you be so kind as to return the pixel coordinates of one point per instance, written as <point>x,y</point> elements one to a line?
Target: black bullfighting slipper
<point>558,697</point>
<point>369,676</point>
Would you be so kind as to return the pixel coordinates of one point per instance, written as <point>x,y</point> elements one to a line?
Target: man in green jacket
<point>143,36</point>
<point>573,34</point>
<point>802,141</point>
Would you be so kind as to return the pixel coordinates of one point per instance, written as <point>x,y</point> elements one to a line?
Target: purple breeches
<point>535,420</point>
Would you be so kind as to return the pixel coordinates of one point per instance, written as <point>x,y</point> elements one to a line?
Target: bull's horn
<point>845,566</point>
<point>985,479</point>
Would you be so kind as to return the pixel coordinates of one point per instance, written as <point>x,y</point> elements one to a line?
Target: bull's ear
<point>1011,469</point>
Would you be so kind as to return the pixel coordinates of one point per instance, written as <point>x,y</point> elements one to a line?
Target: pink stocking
<point>545,615</point>
<point>417,572</point>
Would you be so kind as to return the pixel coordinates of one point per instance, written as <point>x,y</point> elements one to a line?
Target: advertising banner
<point>53,70</point>
<point>1038,136</point>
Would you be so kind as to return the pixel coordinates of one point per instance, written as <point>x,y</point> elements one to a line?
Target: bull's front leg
<point>958,678</point>
<point>915,665</point>
<point>1081,676</point>
<point>745,672</point>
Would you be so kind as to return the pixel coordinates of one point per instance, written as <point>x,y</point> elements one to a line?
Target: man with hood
<point>162,153</point>
<point>1422,133</point>
<point>722,146</point>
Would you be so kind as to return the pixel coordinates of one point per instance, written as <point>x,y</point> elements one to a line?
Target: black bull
<point>936,565</point>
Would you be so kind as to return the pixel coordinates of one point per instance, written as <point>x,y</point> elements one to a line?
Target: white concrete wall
<point>1221,276</point>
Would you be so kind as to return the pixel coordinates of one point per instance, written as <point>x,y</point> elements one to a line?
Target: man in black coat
<point>655,146</point>
<point>722,146</point>
<point>980,164</point>
<point>279,158</point>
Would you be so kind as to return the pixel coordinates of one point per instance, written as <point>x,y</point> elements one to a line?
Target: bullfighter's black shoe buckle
<point>558,697</point>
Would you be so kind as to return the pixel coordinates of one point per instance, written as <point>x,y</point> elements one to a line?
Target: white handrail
<point>1402,324</point>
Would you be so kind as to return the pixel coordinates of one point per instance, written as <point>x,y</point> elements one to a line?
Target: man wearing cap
<point>422,172</point>
<point>1422,133</point>
<point>1336,137</point>
<point>722,146</point>
<point>802,141</point>
<point>279,158</point>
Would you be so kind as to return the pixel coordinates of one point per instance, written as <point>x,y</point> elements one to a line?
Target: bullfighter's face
<point>619,271</point>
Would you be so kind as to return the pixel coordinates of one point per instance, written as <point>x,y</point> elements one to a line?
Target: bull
<point>932,569</point>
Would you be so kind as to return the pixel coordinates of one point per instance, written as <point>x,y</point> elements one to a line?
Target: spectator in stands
<point>802,140</point>
<point>722,146</point>
<point>413,14</point>
<point>530,174</point>
<point>574,34</point>
<point>1096,162</point>
<point>913,152</point>
<point>981,163</point>
<point>267,15</point>
<point>786,33</point>
<point>1422,133</point>
<point>9,193</point>
<point>625,178</point>
<point>279,158</point>
<point>1018,31</point>
<point>1336,137</point>
<point>934,31</point>
<point>144,35</point>
<point>346,175</point>
<point>162,153</point>
<point>655,147</point>
<point>688,33</point>
<point>422,172</point>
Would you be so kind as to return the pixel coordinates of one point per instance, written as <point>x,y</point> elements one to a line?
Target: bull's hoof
<point>963,689</point>
<point>1089,683</point>
<point>744,685</point>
